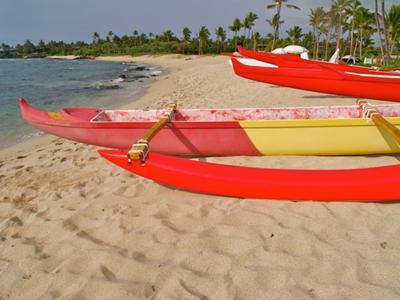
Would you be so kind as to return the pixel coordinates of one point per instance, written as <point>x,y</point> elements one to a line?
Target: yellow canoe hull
<point>320,137</point>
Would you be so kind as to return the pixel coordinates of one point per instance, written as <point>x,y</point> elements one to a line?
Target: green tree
<point>278,4</point>
<point>221,36</point>
<point>295,33</point>
<point>248,24</point>
<point>204,35</point>
<point>235,27</point>
<point>393,24</point>
<point>385,33</point>
<point>41,47</point>
<point>96,37</point>
<point>186,34</point>
<point>340,9</point>
<point>308,40</point>
<point>363,19</point>
<point>256,39</point>
<point>167,36</point>
<point>110,36</point>
<point>327,28</point>
<point>275,23</point>
<point>354,5</point>
<point>317,17</point>
<point>28,47</point>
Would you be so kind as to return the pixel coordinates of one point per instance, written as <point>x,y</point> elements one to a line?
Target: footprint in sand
<point>130,191</point>
<point>14,221</point>
<point>97,179</point>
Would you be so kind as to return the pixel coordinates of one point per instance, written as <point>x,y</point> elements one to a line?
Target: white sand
<point>75,226</point>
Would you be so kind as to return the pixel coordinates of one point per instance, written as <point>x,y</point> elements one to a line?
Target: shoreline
<point>131,91</point>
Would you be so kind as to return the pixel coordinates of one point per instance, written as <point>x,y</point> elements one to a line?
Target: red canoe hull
<point>294,61</point>
<point>179,138</point>
<point>324,80</point>
<point>370,184</point>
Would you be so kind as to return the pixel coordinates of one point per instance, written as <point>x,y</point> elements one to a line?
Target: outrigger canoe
<point>327,79</point>
<point>370,184</point>
<point>324,130</point>
<point>294,61</point>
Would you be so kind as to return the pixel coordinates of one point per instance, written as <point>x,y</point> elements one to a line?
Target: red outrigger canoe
<point>336,130</point>
<point>294,61</point>
<point>369,184</point>
<point>326,79</point>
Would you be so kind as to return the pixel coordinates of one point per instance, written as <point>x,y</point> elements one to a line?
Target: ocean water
<point>53,84</point>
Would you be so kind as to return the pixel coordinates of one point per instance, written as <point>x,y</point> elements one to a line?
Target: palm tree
<point>256,39</point>
<point>221,36</point>
<point>353,7</point>
<point>168,36</point>
<point>378,26</point>
<point>327,30</point>
<point>385,32</point>
<point>275,23</point>
<point>393,20</point>
<point>295,34</point>
<point>186,34</point>
<point>278,6</point>
<point>363,18</point>
<point>203,37</point>
<point>340,9</point>
<point>235,27</point>
<point>317,17</point>
<point>96,37</point>
<point>308,40</point>
<point>248,23</point>
<point>110,36</point>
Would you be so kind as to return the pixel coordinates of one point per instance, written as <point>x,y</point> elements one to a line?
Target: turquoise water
<point>52,84</point>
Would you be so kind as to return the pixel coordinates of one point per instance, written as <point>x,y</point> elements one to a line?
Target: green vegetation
<point>346,25</point>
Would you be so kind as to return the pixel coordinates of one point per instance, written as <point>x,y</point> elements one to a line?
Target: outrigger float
<point>326,78</point>
<point>369,184</point>
<point>323,130</point>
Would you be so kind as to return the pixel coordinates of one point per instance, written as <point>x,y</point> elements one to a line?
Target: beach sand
<point>75,226</point>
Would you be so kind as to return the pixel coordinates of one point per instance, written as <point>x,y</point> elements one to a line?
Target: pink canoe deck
<point>245,114</point>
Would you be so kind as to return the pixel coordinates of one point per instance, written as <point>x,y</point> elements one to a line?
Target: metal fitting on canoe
<point>139,151</point>
<point>367,108</point>
<point>172,107</point>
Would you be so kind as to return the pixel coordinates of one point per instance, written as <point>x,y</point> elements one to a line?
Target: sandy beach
<point>75,226</point>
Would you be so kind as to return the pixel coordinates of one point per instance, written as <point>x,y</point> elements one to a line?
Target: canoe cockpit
<point>245,114</point>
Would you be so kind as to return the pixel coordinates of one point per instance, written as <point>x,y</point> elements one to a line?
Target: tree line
<point>347,25</point>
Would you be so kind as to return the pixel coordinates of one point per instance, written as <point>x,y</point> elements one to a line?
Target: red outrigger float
<point>326,79</point>
<point>369,184</point>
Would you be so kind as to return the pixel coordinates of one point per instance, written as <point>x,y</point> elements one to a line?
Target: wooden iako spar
<point>379,120</point>
<point>140,149</point>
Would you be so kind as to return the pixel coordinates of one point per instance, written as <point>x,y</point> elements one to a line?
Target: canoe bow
<point>368,184</point>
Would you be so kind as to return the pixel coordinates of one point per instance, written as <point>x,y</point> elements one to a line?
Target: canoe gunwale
<point>31,115</point>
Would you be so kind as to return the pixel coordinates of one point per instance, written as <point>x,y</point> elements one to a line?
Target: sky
<point>73,20</point>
